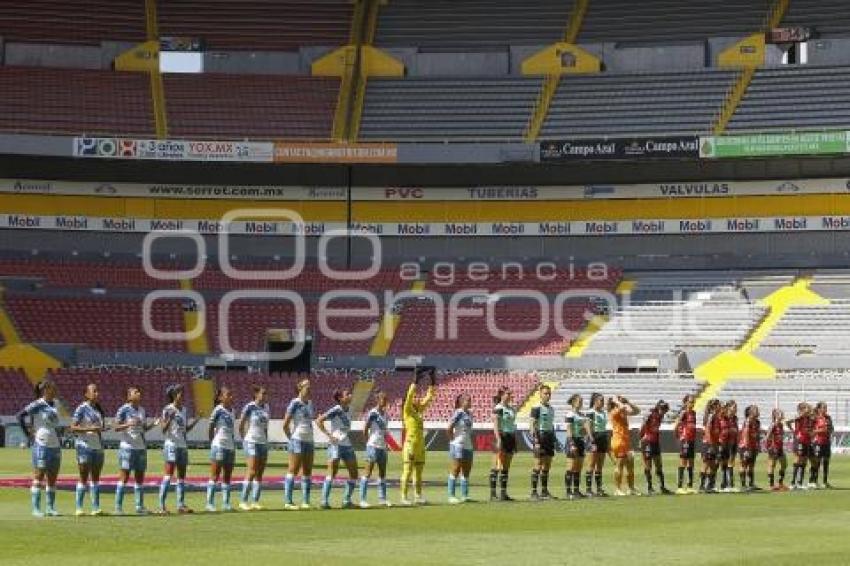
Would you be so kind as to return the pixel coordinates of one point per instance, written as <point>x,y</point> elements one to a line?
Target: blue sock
<point>139,494</point>
<point>246,487</point>
<point>119,496</point>
<point>288,485</point>
<point>256,490</point>
<point>81,495</point>
<point>326,490</point>
<point>181,493</point>
<point>349,490</point>
<point>306,485</point>
<point>35,497</point>
<point>94,492</point>
<point>451,485</point>
<point>364,486</point>
<point>211,493</point>
<point>226,497</point>
<point>382,490</point>
<point>163,490</point>
<point>464,487</point>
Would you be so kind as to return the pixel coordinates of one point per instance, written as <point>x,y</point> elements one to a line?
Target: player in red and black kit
<point>748,444</point>
<point>822,446</point>
<point>775,446</point>
<point>802,428</point>
<point>724,451</point>
<point>686,432</point>
<point>650,446</point>
<point>731,411</point>
<point>710,446</point>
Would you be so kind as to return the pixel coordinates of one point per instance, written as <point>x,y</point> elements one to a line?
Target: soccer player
<point>543,437</point>
<point>822,445</point>
<point>748,443</point>
<point>619,411</point>
<point>298,427</point>
<point>728,445</point>
<point>460,449</point>
<point>650,446</point>
<point>413,451</point>
<point>88,424</point>
<point>254,428</point>
<point>775,446</point>
<point>504,431</point>
<point>132,450</point>
<point>710,446</point>
<point>375,430</point>
<point>578,428</point>
<point>339,448</point>
<point>175,426</point>
<point>686,432</point>
<point>802,428</point>
<point>601,444</point>
<point>39,420</point>
<point>222,449</point>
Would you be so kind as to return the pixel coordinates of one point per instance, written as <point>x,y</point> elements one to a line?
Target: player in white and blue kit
<point>88,423</point>
<point>222,449</point>
<point>460,448</point>
<point>375,431</point>
<point>175,451</point>
<point>39,421</point>
<point>131,422</point>
<point>339,448</point>
<point>298,427</point>
<point>254,430</point>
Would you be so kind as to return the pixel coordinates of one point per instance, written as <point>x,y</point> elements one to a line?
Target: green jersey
<point>575,423</point>
<point>598,420</point>
<point>545,417</point>
<point>507,418</point>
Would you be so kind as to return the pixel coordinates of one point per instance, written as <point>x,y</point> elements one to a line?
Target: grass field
<point>760,528</point>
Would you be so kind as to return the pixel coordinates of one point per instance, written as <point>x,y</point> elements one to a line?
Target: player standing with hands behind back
<point>413,416</point>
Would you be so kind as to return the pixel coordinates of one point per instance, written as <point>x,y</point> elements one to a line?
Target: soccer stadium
<point>426,281</point>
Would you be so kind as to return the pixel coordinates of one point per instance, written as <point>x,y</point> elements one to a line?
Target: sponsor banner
<point>760,145</point>
<point>668,147</point>
<point>173,150</point>
<point>161,190</point>
<point>290,152</point>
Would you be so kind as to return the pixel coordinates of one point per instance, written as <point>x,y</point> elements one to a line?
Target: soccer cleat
<point>505,497</point>
<point>96,513</point>
<point>162,511</point>
<point>118,512</point>
<point>682,491</point>
<point>37,513</point>
<point>494,498</point>
<point>227,508</point>
<point>183,510</point>
<point>812,486</point>
<point>257,507</point>
<point>384,503</point>
<point>365,505</point>
<point>454,501</point>
<point>420,500</point>
<point>827,485</point>
<point>348,505</point>
<point>79,513</point>
<point>325,506</point>
<point>635,492</point>
<point>405,502</point>
<point>53,513</point>
<point>665,491</point>
<point>210,508</point>
<point>620,493</point>
<point>245,507</point>
<point>547,495</point>
<point>142,511</point>
<point>578,495</point>
<point>650,492</point>
<point>290,507</point>
<point>305,507</point>
<point>692,491</point>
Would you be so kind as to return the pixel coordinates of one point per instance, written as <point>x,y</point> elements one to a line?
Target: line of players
<point>724,443</point>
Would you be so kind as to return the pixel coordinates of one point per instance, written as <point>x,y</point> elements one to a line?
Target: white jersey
<point>133,437</point>
<point>221,420</point>
<point>462,423</point>
<point>175,434</point>
<point>258,423</point>
<point>340,428</point>
<point>87,416</point>
<point>45,420</point>
<point>302,419</point>
<point>376,427</point>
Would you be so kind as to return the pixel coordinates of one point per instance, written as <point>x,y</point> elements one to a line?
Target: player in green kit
<point>504,430</point>
<point>543,435</point>
<point>601,444</point>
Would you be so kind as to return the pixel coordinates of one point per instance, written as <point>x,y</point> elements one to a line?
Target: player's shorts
<point>687,449</point>
<point>340,452</point>
<point>776,453</point>
<point>601,443</point>
<point>507,442</point>
<point>413,453</point>
<point>802,449</point>
<point>545,447</point>
<point>749,455</point>
<point>709,452</point>
<point>89,456</point>
<point>650,449</point>
<point>575,447</point>
<point>301,447</point>
<point>176,455</point>
<point>376,455</point>
<point>724,452</point>
<point>46,458</point>
<point>259,450</point>
<point>733,450</point>
<point>223,456</point>
<point>620,447</point>
<point>822,450</point>
<point>133,460</point>
<point>460,453</point>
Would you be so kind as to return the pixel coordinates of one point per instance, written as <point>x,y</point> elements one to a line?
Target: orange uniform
<point>621,443</point>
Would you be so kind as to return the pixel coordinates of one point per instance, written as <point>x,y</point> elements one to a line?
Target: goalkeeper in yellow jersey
<point>413,452</point>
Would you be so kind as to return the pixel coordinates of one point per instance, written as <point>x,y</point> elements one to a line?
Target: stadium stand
<point>652,103</point>
<point>439,109</point>
<point>310,280</point>
<point>797,97</point>
<point>472,23</point>
<point>270,25</point>
<point>86,22</point>
<point>75,101</point>
<point>63,273</point>
<point>15,390</point>
<point>829,18</point>
<point>250,106</point>
<point>546,281</point>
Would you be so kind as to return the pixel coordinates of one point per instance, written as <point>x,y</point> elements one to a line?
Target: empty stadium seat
<point>72,21</point>
<point>16,391</point>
